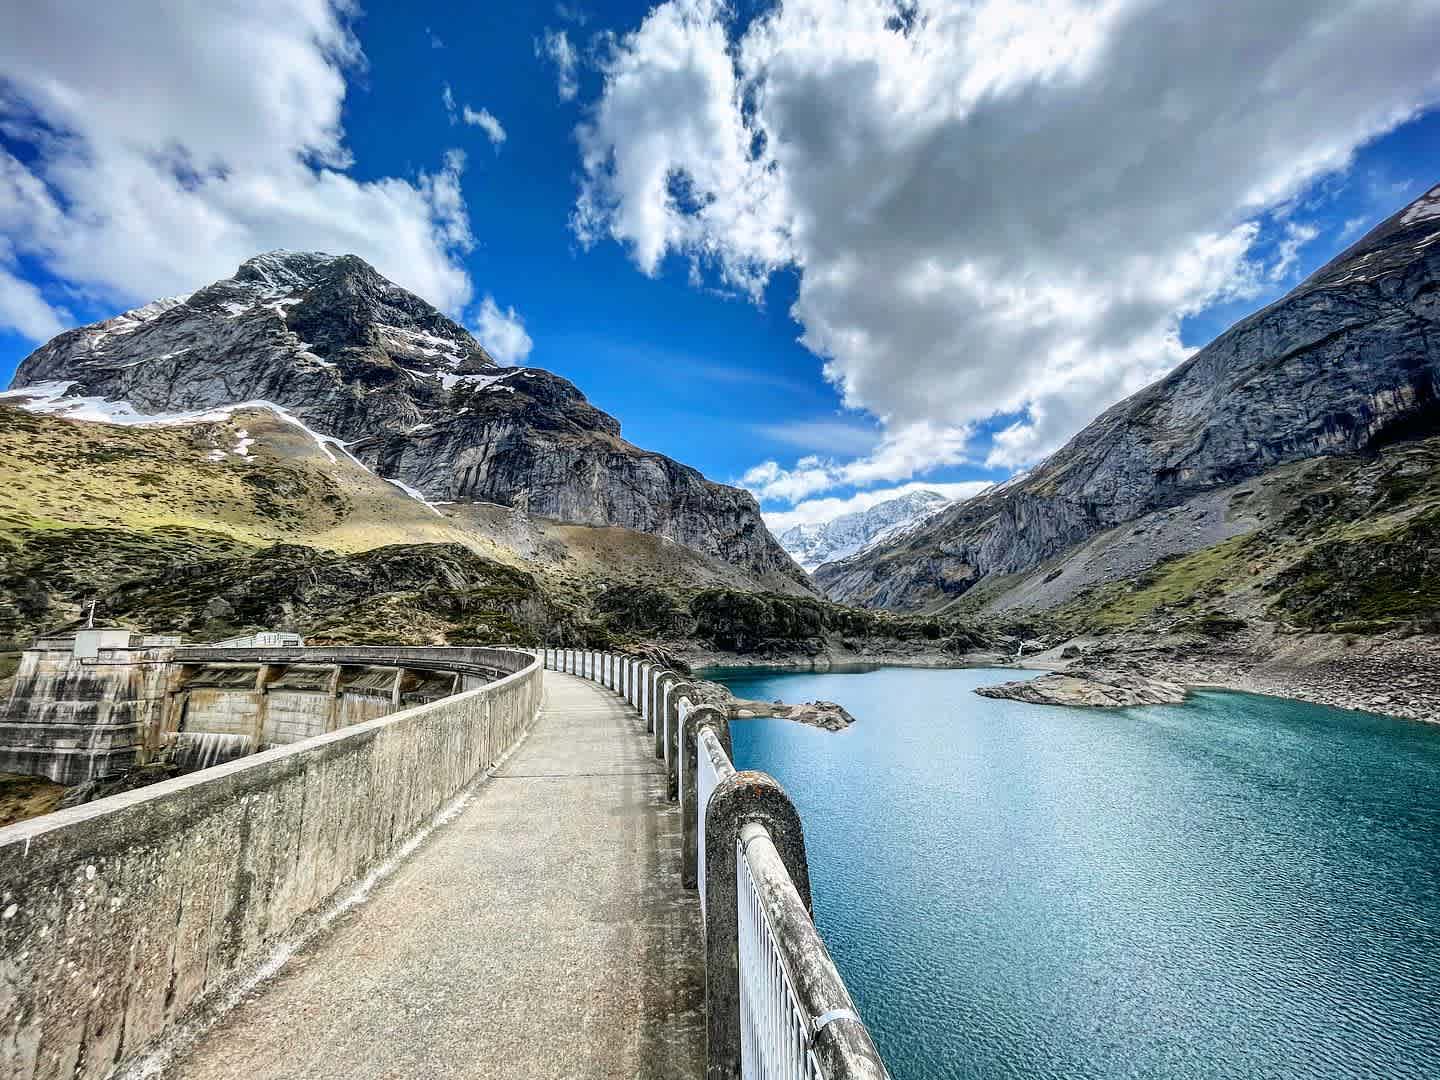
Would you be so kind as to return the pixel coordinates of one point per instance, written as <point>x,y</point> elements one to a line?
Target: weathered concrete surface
<point>543,933</point>
<point>121,918</point>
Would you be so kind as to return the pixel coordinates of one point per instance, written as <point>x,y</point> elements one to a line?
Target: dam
<point>99,702</point>
<point>549,868</point>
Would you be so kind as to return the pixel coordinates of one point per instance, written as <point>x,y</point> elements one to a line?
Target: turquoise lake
<point>1236,887</point>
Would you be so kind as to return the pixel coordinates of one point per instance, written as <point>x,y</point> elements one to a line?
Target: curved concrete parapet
<point>124,917</point>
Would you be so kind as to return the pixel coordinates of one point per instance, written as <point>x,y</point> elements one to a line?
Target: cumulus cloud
<point>900,454</point>
<point>819,511</point>
<point>153,155</point>
<point>555,46</point>
<point>502,332</point>
<point>23,309</point>
<point>996,208</point>
<point>1287,252</point>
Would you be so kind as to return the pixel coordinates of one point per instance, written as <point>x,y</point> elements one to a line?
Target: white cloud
<point>1287,252</point>
<point>995,208</point>
<point>555,46</point>
<point>481,118</point>
<point>161,152</point>
<point>24,309</point>
<point>485,120</point>
<point>824,436</point>
<point>1353,227</point>
<point>819,511</point>
<point>901,454</point>
<point>502,332</point>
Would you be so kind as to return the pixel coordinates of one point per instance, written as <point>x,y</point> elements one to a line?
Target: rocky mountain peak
<point>411,392</point>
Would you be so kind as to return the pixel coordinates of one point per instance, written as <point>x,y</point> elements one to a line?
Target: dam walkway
<point>542,932</point>
<point>556,873</point>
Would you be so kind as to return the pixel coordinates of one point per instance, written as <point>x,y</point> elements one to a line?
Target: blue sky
<point>904,237</point>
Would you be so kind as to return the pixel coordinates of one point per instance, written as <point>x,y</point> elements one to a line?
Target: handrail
<point>813,1021</point>
<point>776,1004</point>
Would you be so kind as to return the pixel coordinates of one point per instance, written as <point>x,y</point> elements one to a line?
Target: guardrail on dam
<point>776,1006</point>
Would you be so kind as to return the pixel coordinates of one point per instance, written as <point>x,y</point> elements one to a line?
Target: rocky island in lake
<point>1104,689</point>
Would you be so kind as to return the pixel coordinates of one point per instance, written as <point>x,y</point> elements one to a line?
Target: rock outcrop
<point>1348,361</point>
<point>826,715</point>
<point>410,392</point>
<point>1100,689</point>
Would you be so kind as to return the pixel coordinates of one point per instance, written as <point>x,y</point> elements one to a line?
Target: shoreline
<point>1380,677</point>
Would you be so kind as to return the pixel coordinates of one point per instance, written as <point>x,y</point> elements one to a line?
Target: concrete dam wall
<point>121,918</point>
<point>73,717</point>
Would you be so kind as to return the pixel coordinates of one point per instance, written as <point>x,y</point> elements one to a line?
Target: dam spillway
<point>77,714</point>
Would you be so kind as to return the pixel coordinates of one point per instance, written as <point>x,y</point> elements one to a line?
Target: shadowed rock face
<point>418,399</point>
<point>1347,361</point>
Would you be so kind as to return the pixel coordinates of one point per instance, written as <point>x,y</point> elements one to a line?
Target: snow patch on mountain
<point>812,545</point>
<point>52,398</point>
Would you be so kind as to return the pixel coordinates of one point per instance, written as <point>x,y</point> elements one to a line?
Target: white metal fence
<point>783,1008</point>
<point>774,1028</point>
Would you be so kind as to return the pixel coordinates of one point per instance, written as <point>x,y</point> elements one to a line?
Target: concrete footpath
<point>541,933</point>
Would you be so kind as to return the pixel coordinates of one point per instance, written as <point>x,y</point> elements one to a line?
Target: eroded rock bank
<point>826,715</point>
<point>1096,689</point>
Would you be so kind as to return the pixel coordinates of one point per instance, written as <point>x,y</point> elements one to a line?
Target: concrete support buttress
<point>696,720</point>
<point>678,692</point>
<point>172,712</point>
<point>264,676</point>
<point>332,718</point>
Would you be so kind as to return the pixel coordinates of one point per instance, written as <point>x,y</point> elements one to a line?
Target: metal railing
<point>776,1006</point>
<point>774,1031</point>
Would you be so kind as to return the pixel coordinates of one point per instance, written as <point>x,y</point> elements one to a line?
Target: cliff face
<point>524,437</point>
<point>411,392</point>
<point>1346,362</point>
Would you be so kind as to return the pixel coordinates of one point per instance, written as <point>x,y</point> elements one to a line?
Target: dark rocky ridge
<point>418,399</point>
<point>1346,362</point>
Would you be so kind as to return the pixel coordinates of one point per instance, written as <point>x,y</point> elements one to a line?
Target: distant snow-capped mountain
<point>826,541</point>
